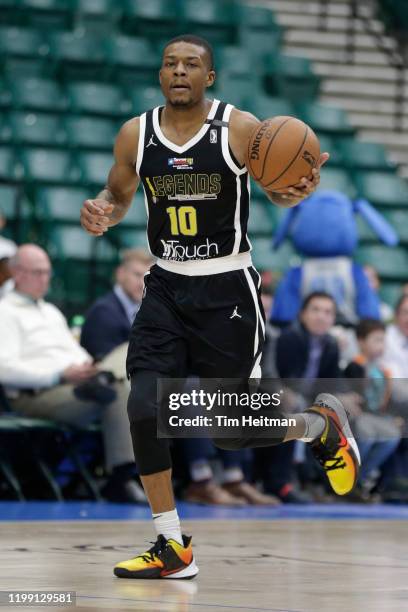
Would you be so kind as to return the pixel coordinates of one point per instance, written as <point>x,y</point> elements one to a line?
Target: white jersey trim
<point>193,141</point>
<point>237,219</point>
<point>225,144</point>
<point>206,267</point>
<point>259,319</point>
<point>141,143</point>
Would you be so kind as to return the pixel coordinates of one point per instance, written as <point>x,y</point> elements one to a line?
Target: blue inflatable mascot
<point>324,230</point>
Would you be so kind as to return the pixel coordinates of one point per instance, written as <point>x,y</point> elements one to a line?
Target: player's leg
<point>157,349</point>
<point>232,348</point>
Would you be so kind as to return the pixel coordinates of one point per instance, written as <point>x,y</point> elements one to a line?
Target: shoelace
<point>154,551</point>
<point>326,455</point>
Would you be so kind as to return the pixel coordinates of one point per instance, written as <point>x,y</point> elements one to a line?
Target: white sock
<point>314,426</point>
<point>168,524</point>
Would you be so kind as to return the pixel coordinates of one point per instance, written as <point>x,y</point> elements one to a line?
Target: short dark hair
<point>365,327</point>
<point>317,294</point>
<point>194,40</point>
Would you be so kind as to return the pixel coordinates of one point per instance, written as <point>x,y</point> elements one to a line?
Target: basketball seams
<point>292,160</point>
<point>270,144</point>
<point>258,178</point>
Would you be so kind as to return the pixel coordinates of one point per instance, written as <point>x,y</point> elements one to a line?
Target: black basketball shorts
<point>211,326</point>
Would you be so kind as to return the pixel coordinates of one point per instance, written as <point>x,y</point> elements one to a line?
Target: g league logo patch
<point>213,136</point>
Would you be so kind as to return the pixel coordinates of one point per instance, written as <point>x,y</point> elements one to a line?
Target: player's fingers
<point>94,219</point>
<point>323,159</point>
<point>93,208</point>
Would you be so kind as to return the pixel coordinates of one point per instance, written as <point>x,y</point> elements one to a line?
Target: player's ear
<point>210,78</point>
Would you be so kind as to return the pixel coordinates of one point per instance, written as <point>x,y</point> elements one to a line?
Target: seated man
<point>108,321</point>
<point>42,366</point>
<point>304,350</point>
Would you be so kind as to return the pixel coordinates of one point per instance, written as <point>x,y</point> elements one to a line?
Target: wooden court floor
<point>279,565</point>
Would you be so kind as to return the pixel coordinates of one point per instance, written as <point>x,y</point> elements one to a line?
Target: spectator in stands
<point>7,249</point>
<point>235,490</point>
<point>45,371</point>
<point>374,280</point>
<point>304,350</point>
<point>108,322</point>
<point>377,432</point>
<point>396,353</point>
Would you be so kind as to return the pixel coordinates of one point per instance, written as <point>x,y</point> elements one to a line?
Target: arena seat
<point>97,99</point>
<point>391,263</point>
<point>364,155</point>
<point>133,60</point>
<point>98,15</point>
<point>18,212</point>
<point>136,215</point>
<point>94,167</point>
<point>382,188</point>
<point>365,233</point>
<point>399,221</point>
<point>327,119</point>
<point>90,132</point>
<point>36,129</point>
<point>390,292</point>
<point>258,31</point>
<point>291,77</point>
<point>7,163</point>
<point>37,94</point>
<point>47,14</point>
<point>266,259</point>
<point>260,219</point>
<point>337,179</point>
<point>263,106</point>
<point>144,98</point>
<point>22,42</point>
<point>213,20</point>
<point>78,55</point>
<point>232,89</point>
<point>129,239</point>
<point>59,205</point>
<point>48,166</point>
<point>159,19</point>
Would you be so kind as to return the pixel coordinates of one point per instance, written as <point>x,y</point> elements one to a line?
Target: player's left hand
<point>306,186</point>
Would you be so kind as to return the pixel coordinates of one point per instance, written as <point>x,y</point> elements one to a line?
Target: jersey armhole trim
<point>225,144</point>
<point>140,146</point>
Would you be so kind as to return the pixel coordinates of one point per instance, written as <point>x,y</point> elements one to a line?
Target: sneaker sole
<point>187,573</point>
<point>335,404</point>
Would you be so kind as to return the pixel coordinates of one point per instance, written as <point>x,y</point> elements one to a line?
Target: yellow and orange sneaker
<point>336,449</point>
<point>166,559</point>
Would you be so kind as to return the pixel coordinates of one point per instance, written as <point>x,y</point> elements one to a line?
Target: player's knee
<point>152,454</point>
<point>142,398</point>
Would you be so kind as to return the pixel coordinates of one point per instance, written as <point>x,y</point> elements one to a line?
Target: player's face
<point>185,74</point>
<point>319,316</point>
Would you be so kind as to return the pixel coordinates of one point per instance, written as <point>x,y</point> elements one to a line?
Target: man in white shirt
<point>41,363</point>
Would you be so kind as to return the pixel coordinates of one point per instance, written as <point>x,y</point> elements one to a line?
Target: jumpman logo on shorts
<point>235,313</point>
<point>151,142</point>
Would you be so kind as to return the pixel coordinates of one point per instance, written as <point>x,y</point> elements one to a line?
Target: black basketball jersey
<point>197,196</point>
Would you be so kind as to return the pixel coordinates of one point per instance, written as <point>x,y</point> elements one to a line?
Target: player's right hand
<point>95,216</point>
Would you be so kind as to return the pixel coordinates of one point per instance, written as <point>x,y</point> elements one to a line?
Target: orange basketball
<point>281,151</point>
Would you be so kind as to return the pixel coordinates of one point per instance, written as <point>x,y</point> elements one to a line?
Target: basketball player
<point>201,312</point>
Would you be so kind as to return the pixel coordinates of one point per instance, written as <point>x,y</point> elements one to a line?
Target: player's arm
<point>242,124</point>
<point>112,203</point>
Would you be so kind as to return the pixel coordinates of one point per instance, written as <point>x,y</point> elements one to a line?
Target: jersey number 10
<point>183,220</point>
